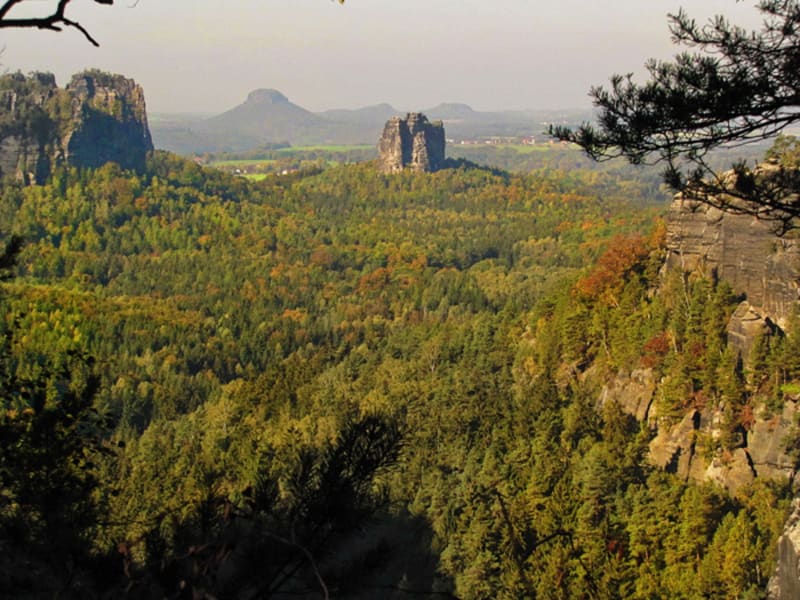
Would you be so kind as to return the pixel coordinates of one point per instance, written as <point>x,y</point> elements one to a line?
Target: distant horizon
<point>401,109</point>
<point>493,56</point>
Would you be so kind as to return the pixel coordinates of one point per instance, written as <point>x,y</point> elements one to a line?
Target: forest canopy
<point>339,373</point>
<point>341,383</point>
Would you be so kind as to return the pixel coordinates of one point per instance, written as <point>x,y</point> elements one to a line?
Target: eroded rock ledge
<point>765,270</point>
<point>740,249</point>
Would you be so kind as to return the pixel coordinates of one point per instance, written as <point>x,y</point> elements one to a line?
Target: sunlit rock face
<point>764,269</point>
<point>741,250</point>
<point>97,118</point>
<point>411,143</point>
<point>785,581</point>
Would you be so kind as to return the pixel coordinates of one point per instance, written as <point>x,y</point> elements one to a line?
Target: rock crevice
<point>411,143</point>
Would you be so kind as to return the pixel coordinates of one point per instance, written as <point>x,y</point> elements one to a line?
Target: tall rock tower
<point>414,143</point>
<point>97,118</point>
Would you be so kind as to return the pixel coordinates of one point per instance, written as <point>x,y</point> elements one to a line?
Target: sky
<point>204,56</point>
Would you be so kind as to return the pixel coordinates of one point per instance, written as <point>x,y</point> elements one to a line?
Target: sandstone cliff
<point>764,269</point>
<point>785,582</point>
<point>411,143</point>
<point>97,118</point>
<point>739,249</point>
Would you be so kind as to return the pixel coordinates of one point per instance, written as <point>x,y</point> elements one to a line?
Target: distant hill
<point>267,116</point>
<point>379,113</point>
<point>451,111</point>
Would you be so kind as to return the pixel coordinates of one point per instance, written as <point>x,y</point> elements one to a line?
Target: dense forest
<point>336,383</point>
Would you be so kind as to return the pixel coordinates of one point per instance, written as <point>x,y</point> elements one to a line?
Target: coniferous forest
<point>337,383</point>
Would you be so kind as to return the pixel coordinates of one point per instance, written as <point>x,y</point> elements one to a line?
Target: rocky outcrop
<point>733,472</point>
<point>673,448</point>
<point>740,249</point>
<point>766,442</point>
<point>680,445</point>
<point>97,118</point>
<point>634,392</point>
<point>764,269</point>
<point>411,143</point>
<point>785,581</point>
<point>745,326</point>
<point>109,122</point>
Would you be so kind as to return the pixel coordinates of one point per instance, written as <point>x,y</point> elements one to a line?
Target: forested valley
<point>337,383</point>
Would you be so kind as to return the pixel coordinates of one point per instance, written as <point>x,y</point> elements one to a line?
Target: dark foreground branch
<point>56,21</point>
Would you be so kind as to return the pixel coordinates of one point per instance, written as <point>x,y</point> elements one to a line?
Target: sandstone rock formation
<point>109,122</point>
<point>764,269</point>
<point>675,447</point>
<point>785,582</point>
<point>634,393</point>
<point>411,143</point>
<point>740,249</point>
<point>766,442</point>
<point>97,118</point>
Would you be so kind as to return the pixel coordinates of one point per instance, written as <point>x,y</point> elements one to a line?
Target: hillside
<point>368,116</point>
<point>425,353</point>
<point>266,116</point>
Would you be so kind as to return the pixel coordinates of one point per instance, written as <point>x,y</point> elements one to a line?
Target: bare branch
<point>55,21</point>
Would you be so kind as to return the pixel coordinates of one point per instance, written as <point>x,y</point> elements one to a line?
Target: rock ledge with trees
<point>97,118</point>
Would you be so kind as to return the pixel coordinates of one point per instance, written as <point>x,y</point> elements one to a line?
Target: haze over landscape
<point>504,352</point>
<point>204,56</point>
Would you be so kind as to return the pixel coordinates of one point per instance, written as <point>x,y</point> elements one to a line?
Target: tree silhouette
<point>50,434</point>
<point>738,87</point>
<point>54,19</point>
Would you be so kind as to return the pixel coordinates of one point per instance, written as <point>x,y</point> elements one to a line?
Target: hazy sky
<point>206,55</point>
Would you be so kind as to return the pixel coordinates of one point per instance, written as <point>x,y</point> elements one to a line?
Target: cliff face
<point>97,118</point>
<point>109,122</point>
<point>785,582</point>
<point>414,143</point>
<point>765,270</point>
<point>739,249</point>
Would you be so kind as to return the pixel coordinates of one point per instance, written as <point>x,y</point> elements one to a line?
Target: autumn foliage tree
<point>625,255</point>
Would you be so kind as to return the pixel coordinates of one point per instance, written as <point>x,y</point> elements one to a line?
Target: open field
<point>322,148</point>
<point>244,163</point>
